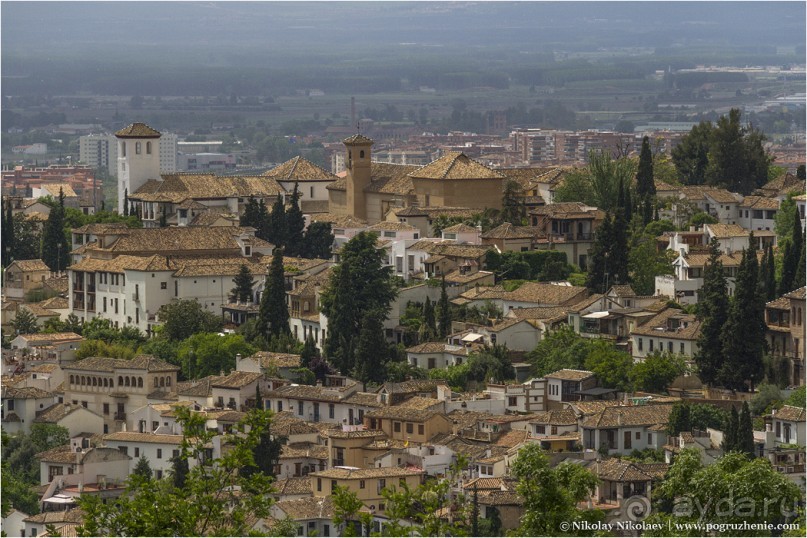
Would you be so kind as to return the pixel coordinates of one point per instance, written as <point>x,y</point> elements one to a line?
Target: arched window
<point>138,148</point>
<point>148,148</point>
<point>123,149</point>
<point>106,383</point>
<point>120,380</point>
<point>94,381</point>
<point>361,154</point>
<point>111,382</point>
<point>140,382</point>
<point>71,379</point>
<point>162,382</point>
<point>82,380</point>
<point>126,381</point>
<point>167,381</point>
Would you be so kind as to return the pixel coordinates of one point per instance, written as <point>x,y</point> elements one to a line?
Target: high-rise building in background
<point>99,151</point>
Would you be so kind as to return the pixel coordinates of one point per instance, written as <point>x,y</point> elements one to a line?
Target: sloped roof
<point>107,364</point>
<point>570,375</point>
<point>299,169</point>
<point>30,265</point>
<point>358,140</point>
<point>760,202</point>
<point>651,326</point>
<point>543,293</point>
<point>177,188</point>
<point>455,165</point>
<point>790,413</point>
<point>267,359</point>
<point>138,130</point>
<point>509,231</point>
<point>298,485</point>
<point>629,416</point>
<point>727,230</point>
<point>461,228</point>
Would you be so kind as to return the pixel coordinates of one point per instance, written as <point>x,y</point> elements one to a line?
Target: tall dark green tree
<point>645,185</point>
<point>745,432</point>
<point>55,247</point>
<point>359,284</point>
<point>713,308</point>
<point>514,210</point>
<point>767,275</point>
<point>125,202</point>
<point>744,332</point>
<point>444,311</point>
<point>273,314</point>
<point>691,156</point>
<point>7,233</point>
<point>371,356</point>
<point>277,223</point>
<point>295,224</point>
<point>801,173</point>
<point>737,160</point>
<point>242,292</point>
<point>598,269</point>
<point>679,419</point>
<point>429,321</point>
<point>309,353</point>
<point>792,255</point>
<point>730,440</point>
<point>318,241</point>
<point>619,251</point>
<point>251,215</point>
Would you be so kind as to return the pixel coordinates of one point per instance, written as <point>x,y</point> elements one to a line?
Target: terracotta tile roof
<point>45,368</point>
<point>177,188</point>
<point>339,221</point>
<point>433,212</point>
<point>411,386</point>
<point>56,412</point>
<point>452,250</point>
<point>657,326</point>
<point>461,228</point>
<point>60,454</point>
<point>74,515</point>
<point>304,450</point>
<point>547,294</point>
<point>308,392</point>
<point>623,291</point>
<point>54,188</point>
<point>629,416</point>
<point>298,485</point>
<point>307,509</point>
<point>567,210</point>
<point>39,311</point>
<point>198,387</point>
<point>55,303</point>
<point>784,181</point>
<point>403,413</point>
<point>137,130</point>
<point>728,260</point>
<point>501,498</point>
<point>790,413</point>
<point>540,312</point>
<point>563,417</point>
<point>798,294</point>
<point>57,283</point>
<point>358,474</point>
<point>48,338</point>
<point>481,484</point>
<point>570,375</point>
<point>782,303</point>
<point>455,165</point>
<point>457,277</point>
<point>338,433</point>
<point>30,265</point>
<point>617,470</point>
<point>508,231</point>
<point>106,364</point>
<point>365,399</point>
<point>727,230</point>
<point>25,393</point>
<point>285,424</point>
<point>525,177</point>
<point>421,403</point>
<point>358,140</point>
<point>388,178</point>
<point>512,438</point>
<point>268,359</point>
<point>137,437</point>
<point>392,226</point>
<point>438,347</point>
<point>760,202</point>
<point>299,169</point>
<point>236,380</point>
<point>723,196</point>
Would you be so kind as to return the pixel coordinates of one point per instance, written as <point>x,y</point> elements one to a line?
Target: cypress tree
<point>263,222</point>
<point>730,431</point>
<point>273,315</point>
<point>163,218</point>
<point>744,332</point>
<point>277,223</point>
<point>619,251</point>
<point>713,306</point>
<point>370,356</point>
<point>142,469</point>
<point>801,280</point>
<point>745,432</point>
<point>429,321</point>
<point>250,216</point>
<point>258,397</point>
<point>598,266</point>
<point>800,172</point>
<point>295,224</point>
<point>55,249</point>
<point>645,186</point>
<point>125,202</point>
<point>242,292</point>
<point>8,234</point>
<point>444,310</point>
<point>791,257</point>
<point>309,352</point>
<point>767,275</point>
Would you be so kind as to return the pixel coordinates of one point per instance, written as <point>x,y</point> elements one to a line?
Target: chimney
<point>237,358</point>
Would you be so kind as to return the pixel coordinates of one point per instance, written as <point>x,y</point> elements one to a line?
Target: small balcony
<point>120,416</point>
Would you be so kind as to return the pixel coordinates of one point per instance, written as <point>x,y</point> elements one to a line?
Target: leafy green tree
<point>713,309</point>
<point>273,314</point>
<point>359,284</point>
<point>702,416</point>
<point>491,363</point>
<point>27,243</point>
<point>19,453</point>
<point>690,491</point>
<point>295,224</point>
<point>318,241</point>
<point>346,511</point>
<point>691,156</point>
<point>611,366</point>
<point>743,336</point>
<point>16,493</point>
<point>55,246</point>
<point>737,160</point>
<point>99,348</point>
<point>265,454</point>
<point>25,322</point>
<point>784,219</point>
<point>186,317</point>
<point>657,371</point>
<point>206,354</point>
<point>277,223</point>
<point>514,210</point>
<point>559,349</point>
<point>796,398</point>
<point>143,468</point>
<point>767,396</point>
<point>645,263</point>
<point>679,420</point>
<point>214,500</point>
<point>242,292</point>
<point>793,252</point>
<point>551,494</point>
<point>598,184</point>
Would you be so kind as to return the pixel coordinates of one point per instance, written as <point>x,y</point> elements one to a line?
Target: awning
<point>471,337</point>
<point>596,315</point>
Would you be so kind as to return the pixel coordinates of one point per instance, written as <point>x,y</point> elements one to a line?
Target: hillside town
<point>438,341</point>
